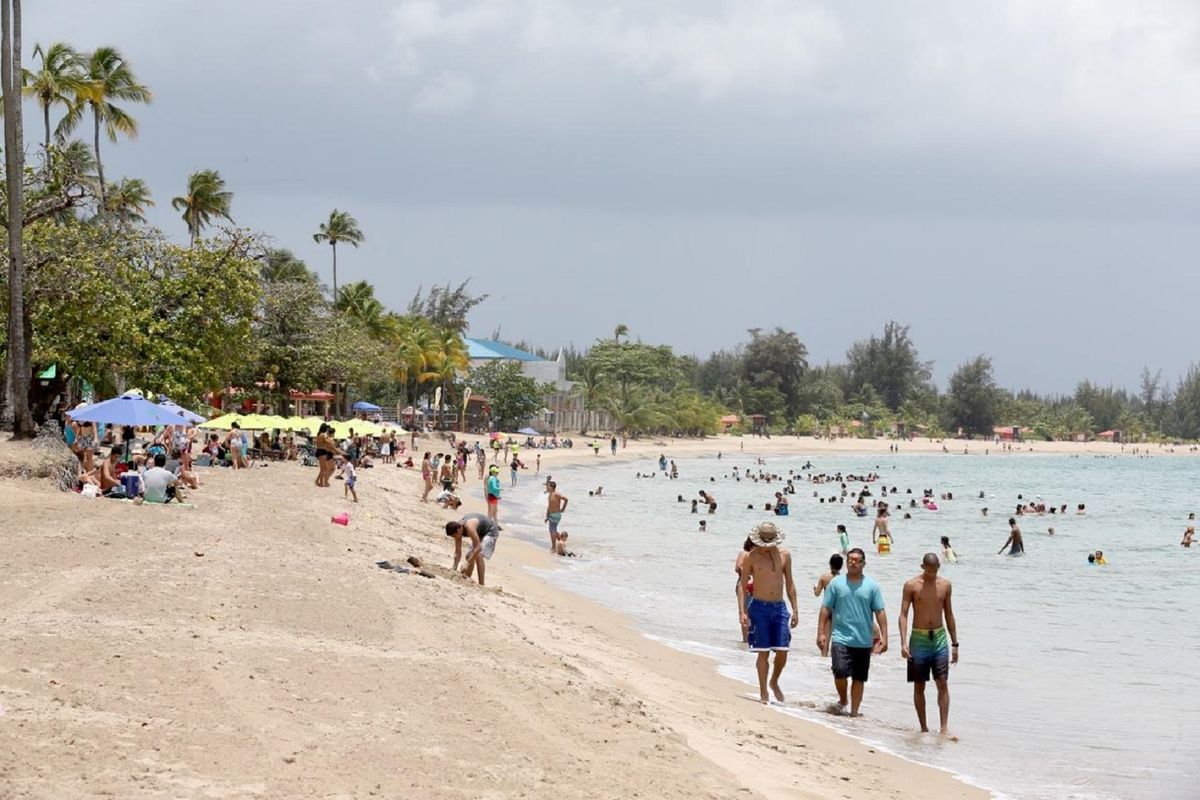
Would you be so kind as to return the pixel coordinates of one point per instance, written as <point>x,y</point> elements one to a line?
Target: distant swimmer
<point>933,644</point>
<point>1100,559</point>
<point>769,568</point>
<point>835,569</point>
<point>948,551</point>
<point>1014,538</point>
<point>1188,535</point>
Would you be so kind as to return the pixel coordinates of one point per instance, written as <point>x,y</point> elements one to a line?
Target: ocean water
<point>1074,681</point>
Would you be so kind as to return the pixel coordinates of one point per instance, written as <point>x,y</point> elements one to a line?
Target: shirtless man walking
<point>933,645</point>
<point>556,504</point>
<point>768,569</point>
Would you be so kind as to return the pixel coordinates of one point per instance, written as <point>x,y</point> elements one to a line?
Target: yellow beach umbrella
<point>255,422</point>
<point>222,423</point>
<point>307,424</point>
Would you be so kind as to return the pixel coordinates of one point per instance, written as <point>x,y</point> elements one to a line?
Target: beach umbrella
<point>179,411</point>
<point>126,410</point>
<point>259,422</point>
<point>307,424</point>
<point>528,432</point>
<point>222,423</point>
<point>363,405</point>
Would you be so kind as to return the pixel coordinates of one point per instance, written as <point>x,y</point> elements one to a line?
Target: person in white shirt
<point>158,483</point>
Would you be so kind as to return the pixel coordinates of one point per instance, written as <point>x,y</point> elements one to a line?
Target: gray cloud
<point>1017,178</point>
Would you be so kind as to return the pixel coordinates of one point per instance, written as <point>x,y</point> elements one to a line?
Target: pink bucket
<point>340,519</point>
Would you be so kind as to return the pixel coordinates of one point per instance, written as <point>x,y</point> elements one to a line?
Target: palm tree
<point>280,265</point>
<point>621,330</point>
<point>59,79</point>
<point>206,198</point>
<point>358,302</point>
<point>341,227</point>
<point>414,351</point>
<point>128,200</point>
<point>107,76</point>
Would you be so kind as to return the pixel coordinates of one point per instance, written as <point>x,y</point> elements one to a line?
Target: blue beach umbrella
<point>363,405</point>
<point>126,410</point>
<point>528,432</point>
<point>179,411</point>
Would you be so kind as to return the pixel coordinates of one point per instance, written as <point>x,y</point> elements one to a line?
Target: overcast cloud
<point>1020,179</point>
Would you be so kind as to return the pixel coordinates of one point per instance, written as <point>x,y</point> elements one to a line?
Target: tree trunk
<point>18,369</point>
<point>335,294</point>
<point>46,120</point>
<point>99,166</point>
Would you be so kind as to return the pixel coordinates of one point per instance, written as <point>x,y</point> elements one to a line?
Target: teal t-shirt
<point>493,486</point>
<point>853,606</point>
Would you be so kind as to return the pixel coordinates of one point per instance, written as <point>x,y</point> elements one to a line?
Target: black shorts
<point>448,485</point>
<point>851,662</point>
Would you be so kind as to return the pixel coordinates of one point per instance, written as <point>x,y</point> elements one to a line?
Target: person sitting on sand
<point>108,470</point>
<point>766,616</point>
<point>159,485</point>
<point>448,500</point>
<point>835,569</point>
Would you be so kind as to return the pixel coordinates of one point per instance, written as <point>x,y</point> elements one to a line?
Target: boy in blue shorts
<point>766,574</point>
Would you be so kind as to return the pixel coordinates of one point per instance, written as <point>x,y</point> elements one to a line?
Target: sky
<point>1018,179</point>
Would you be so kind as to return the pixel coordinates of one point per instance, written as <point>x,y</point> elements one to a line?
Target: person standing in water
<point>933,645</point>
<point>845,628</point>
<point>835,569</point>
<point>881,537</point>
<point>768,567</point>
<point>1014,538</point>
<point>556,504</point>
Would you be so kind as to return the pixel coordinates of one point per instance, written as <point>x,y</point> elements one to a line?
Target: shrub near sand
<point>45,456</point>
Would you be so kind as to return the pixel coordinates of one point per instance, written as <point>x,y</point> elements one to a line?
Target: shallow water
<point>1074,681</point>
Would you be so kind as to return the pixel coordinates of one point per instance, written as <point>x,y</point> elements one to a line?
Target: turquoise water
<point>1074,681</point>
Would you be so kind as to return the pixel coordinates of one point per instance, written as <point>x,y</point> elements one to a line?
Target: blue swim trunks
<point>769,628</point>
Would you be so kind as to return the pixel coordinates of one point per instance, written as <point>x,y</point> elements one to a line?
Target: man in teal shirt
<point>493,494</point>
<point>852,606</point>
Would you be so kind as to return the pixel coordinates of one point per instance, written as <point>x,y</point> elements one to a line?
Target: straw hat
<point>766,534</point>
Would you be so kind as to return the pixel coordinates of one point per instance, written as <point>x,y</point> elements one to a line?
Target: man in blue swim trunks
<point>765,575</point>
<point>848,605</point>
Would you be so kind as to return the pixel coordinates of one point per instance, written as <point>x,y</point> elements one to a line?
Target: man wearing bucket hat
<point>768,568</point>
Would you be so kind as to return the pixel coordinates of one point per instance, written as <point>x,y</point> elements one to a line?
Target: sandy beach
<point>247,647</point>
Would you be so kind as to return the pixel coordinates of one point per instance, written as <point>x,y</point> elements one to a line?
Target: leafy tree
<point>445,307</point>
<point>107,77</point>
<point>58,80</point>
<point>290,326</point>
<point>973,399</point>
<point>206,198</point>
<point>514,397</point>
<point>720,370</point>
<point>341,227</point>
<point>1184,419</point>
<point>776,360</point>
<point>889,364</point>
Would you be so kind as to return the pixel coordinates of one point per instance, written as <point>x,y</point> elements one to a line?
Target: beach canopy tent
<point>363,405</point>
<point>528,432</point>
<point>179,411</point>
<point>222,423</point>
<point>126,410</point>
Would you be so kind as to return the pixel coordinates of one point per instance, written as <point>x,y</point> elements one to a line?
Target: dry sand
<point>247,647</point>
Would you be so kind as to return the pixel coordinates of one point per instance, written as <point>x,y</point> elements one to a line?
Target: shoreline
<point>246,647</point>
